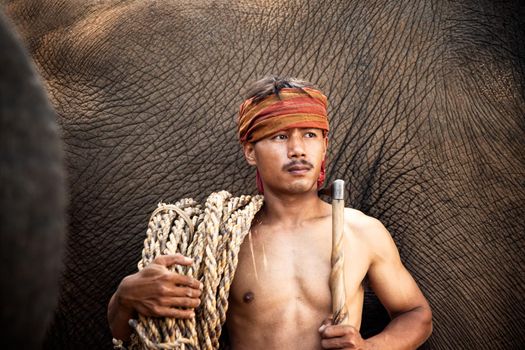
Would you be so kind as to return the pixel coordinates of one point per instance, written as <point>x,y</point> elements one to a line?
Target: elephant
<point>32,199</point>
<point>426,106</point>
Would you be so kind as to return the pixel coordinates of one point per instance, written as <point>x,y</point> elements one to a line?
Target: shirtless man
<point>280,296</point>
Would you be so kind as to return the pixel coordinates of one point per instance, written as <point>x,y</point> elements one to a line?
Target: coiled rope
<point>212,237</point>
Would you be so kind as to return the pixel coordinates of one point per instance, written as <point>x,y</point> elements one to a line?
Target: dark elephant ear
<point>32,199</point>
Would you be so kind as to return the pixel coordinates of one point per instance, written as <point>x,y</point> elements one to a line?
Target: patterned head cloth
<point>292,108</point>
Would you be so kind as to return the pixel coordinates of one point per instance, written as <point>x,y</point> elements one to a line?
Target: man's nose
<point>295,146</point>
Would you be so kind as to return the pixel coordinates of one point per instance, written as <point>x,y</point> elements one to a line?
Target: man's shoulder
<point>366,229</point>
<point>358,221</point>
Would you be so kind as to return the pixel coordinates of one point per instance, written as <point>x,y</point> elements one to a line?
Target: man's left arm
<point>411,317</point>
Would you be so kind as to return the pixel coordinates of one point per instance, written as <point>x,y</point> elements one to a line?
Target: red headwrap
<point>292,108</point>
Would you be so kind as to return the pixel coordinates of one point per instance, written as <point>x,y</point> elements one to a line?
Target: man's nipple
<point>248,297</point>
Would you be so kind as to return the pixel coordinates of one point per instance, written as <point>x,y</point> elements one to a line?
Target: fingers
<point>179,313</point>
<point>177,302</point>
<point>337,331</point>
<point>179,307</point>
<point>168,260</point>
<point>165,311</point>
<point>339,336</point>
<point>335,343</point>
<point>182,280</point>
<point>177,291</point>
<point>164,293</point>
<point>326,322</point>
<point>185,302</point>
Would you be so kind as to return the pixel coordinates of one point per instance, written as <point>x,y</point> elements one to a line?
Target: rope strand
<point>212,237</point>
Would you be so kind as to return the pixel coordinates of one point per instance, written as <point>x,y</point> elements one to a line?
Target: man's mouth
<point>298,168</point>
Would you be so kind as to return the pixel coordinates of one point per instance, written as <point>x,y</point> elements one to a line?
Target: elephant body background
<point>427,122</point>
<point>32,199</point>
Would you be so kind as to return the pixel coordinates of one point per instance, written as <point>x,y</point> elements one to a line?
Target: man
<point>280,297</point>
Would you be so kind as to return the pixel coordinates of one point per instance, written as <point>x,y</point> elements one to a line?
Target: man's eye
<point>280,137</point>
<point>311,134</point>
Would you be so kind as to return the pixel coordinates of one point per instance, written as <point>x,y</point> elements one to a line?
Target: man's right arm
<point>154,291</point>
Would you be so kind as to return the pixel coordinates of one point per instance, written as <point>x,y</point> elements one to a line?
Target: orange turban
<point>292,108</point>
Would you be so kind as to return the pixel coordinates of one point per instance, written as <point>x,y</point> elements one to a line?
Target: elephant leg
<point>32,199</point>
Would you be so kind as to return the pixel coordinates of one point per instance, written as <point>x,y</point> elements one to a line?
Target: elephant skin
<point>32,199</point>
<point>426,109</point>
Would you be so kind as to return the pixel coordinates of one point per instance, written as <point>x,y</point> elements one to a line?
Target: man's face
<point>289,160</point>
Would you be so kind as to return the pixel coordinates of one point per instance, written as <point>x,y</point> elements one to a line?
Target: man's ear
<point>325,146</point>
<point>249,153</point>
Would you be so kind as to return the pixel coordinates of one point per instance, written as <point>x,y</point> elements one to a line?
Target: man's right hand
<point>154,291</point>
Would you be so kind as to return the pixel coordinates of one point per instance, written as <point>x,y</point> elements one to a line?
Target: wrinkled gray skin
<point>427,110</point>
<point>32,200</point>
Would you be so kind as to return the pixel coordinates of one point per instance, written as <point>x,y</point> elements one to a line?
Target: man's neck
<point>292,210</point>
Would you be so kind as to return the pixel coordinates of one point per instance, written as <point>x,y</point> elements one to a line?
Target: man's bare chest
<point>277,268</point>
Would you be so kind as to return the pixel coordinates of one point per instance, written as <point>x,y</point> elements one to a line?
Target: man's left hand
<point>341,337</point>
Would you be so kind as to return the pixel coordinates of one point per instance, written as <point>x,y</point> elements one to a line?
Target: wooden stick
<point>337,277</point>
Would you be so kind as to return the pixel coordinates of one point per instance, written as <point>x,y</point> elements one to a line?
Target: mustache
<point>297,162</point>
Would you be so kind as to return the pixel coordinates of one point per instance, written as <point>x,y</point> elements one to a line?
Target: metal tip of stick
<point>338,189</point>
